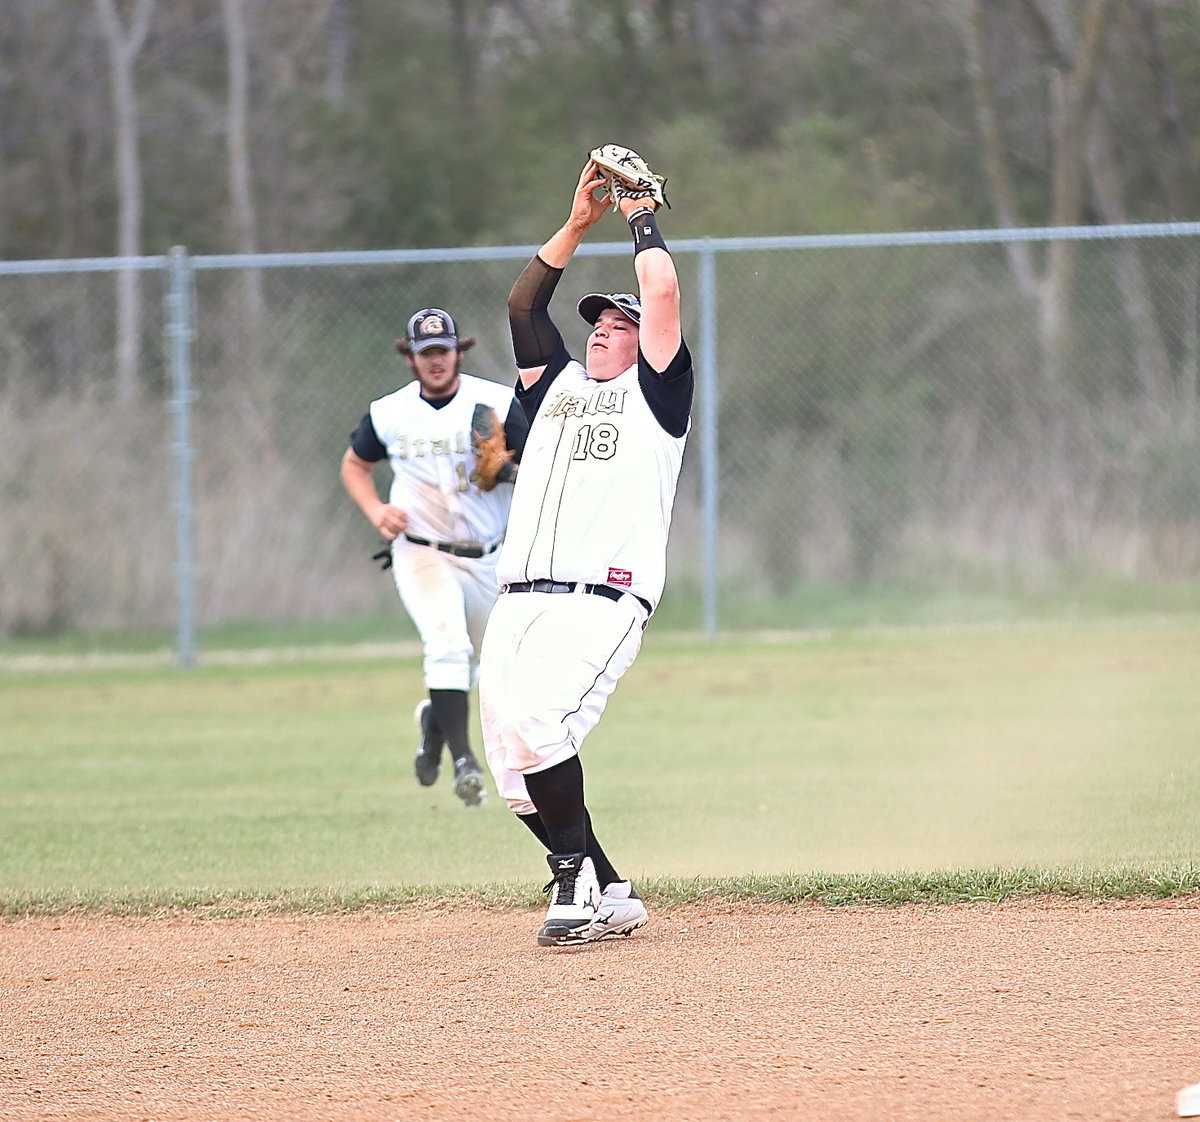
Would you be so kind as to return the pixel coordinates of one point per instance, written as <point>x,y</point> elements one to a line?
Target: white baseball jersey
<point>432,458</point>
<point>596,488</point>
<point>592,506</point>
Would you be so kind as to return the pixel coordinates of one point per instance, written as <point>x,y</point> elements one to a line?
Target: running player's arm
<point>357,472</point>
<point>536,341</point>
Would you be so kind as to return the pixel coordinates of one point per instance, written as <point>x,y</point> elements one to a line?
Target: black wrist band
<point>644,227</point>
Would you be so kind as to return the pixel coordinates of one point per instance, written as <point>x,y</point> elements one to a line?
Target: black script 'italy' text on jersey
<point>432,457</point>
<point>597,483</point>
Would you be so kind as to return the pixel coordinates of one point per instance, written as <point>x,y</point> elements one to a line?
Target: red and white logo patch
<point>621,577</point>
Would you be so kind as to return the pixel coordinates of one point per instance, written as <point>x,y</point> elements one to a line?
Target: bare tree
<point>241,190</point>
<point>1095,145</point>
<point>1072,79</point>
<point>1072,90</point>
<point>337,36</point>
<point>124,41</point>
<point>1180,169</point>
<point>1150,361</point>
<point>1177,172</point>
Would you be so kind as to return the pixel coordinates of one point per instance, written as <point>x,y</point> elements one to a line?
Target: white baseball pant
<point>448,599</point>
<point>550,661</point>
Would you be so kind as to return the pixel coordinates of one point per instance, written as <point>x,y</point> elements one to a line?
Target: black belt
<point>455,550</point>
<point>605,590</point>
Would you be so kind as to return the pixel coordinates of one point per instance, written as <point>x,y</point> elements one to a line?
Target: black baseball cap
<point>626,303</point>
<point>432,327</point>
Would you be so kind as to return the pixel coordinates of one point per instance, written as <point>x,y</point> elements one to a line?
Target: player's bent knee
<point>534,744</point>
<point>526,761</point>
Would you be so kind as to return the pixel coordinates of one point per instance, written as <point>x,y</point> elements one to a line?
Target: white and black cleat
<point>620,914</point>
<point>574,898</point>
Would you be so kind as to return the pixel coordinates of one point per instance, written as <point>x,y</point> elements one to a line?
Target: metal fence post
<point>709,409</point>
<point>179,333</point>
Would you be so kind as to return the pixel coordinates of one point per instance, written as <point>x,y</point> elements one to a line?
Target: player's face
<point>436,369</point>
<point>612,346</point>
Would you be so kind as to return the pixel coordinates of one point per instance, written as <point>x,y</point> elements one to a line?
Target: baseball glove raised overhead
<point>493,459</point>
<point>627,176</point>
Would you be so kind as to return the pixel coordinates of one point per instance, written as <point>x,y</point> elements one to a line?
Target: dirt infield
<point>1024,1011</point>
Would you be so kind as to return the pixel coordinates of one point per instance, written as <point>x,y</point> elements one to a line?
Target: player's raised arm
<point>535,338</point>
<point>658,284</point>
<point>586,211</point>
<point>638,193</point>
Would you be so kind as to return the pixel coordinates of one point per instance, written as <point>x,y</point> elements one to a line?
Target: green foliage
<point>445,124</point>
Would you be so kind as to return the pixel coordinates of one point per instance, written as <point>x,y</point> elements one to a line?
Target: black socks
<point>605,873</point>
<point>450,716</point>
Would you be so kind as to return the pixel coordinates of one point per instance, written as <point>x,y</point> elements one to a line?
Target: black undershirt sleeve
<point>516,429</point>
<point>535,338</point>
<point>365,442</point>
<point>669,393</point>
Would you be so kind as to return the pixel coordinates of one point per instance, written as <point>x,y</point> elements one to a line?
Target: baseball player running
<point>445,517</point>
<point>584,559</point>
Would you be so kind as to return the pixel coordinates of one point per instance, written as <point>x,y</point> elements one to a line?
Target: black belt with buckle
<point>605,590</point>
<point>455,550</point>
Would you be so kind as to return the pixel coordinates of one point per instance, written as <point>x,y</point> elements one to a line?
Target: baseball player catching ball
<point>452,469</point>
<point>584,560</point>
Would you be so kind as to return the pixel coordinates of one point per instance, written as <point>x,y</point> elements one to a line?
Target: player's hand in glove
<point>493,460</point>
<point>627,176</point>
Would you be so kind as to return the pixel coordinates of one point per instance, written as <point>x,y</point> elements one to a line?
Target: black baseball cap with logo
<point>626,303</point>
<point>432,327</point>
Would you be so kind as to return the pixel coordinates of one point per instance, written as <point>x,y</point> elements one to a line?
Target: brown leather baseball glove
<point>493,461</point>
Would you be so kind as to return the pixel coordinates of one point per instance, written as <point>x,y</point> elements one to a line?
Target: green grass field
<point>865,764</point>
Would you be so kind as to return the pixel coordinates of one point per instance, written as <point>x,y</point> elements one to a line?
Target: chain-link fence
<point>939,408</point>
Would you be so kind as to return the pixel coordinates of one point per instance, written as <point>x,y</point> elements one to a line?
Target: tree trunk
<point>1178,171</point>
<point>241,191</point>
<point>1137,305</point>
<point>1072,86</point>
<point>1004,197</point>
<point>465,62</point>
<point>123,47</point>
<point>337,35</point>
<point>1073,60</point>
